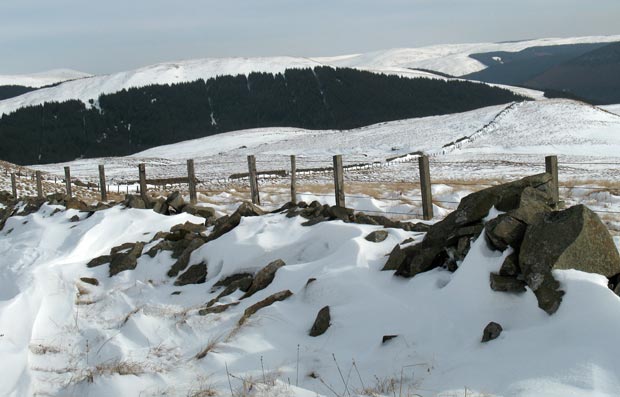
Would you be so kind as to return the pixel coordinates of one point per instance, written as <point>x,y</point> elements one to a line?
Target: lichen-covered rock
<point>506,283</point>
<point>432,251</point>
<point>125,259</point>
<point>199,210</point>
<point>183,260</point>
<point>575,238</point>
<point>271,299</point>
<point>227,223</point>
<point>160,206</point>
<point>175,200</point>
<point>216,309</point>
<point>132,201</point>
<point>321,323</point>
<point>571,239</point>
<point>242,284</point>
<point>195,274</point>
<point>98,261</point>
<point>505,231</point>
<point>491,331</point>
<point>90,280</point>
<point>377,236</point>
<point>264,277</point>
<point>510,266</point>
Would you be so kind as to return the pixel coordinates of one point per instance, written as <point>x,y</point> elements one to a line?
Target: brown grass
<point>212,343</point>
<point>41,349</point>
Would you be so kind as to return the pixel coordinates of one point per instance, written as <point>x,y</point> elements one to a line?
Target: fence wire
<point>359,171</point>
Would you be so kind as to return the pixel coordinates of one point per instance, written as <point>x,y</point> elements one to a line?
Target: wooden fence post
<point>191,176</point>
<point>551,167</point>
<point>68,181</point>
<point>253,179</point>
<point>39,184</point>
<point>14,185</point>
<point>142,179</point>
<point>293,180</point>
<point>102,185</point>
<point>339,181</point>
<point>425,188</point>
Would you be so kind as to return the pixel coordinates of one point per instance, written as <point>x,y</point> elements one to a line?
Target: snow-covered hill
<point>519,133</point>
<point>36,80</point>
<point>169,73</point>
<point>452,59</point>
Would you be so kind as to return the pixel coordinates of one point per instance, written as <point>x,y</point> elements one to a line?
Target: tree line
<point>136,119</point>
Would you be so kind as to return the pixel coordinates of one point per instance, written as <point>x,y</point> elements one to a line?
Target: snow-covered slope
<point>42,79</point>
<point>520,133</point>
<point>452,59</point>
<point>168,73</point>
<point>136,334</point>
<point>612,108</point>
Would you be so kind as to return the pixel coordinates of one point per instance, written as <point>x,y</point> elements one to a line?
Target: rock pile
<point>316,212</point>
<point>542,239</point>
<point>171,205</point>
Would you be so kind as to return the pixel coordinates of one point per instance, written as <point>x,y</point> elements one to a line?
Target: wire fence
<point>318,175</point>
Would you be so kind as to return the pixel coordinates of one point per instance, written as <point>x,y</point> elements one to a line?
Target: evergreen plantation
<point>133,120</point>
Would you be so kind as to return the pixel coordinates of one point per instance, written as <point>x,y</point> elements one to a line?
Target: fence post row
<point>551,167</point>
<point>339,181</point>
<point>39,184</point>
<point>142,179</point>
<point>191,177</point>
<point>102,185</point>
<point>68,182</point>
<point>425,188</point>
<point>293,180</point>
<point>253,179</point>
<point>14,185</point>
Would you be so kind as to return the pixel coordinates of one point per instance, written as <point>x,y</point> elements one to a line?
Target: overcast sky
<point>104,36</point>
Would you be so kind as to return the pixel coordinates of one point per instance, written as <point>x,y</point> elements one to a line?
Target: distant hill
<point>594,76</point>
<point>133,120</point>
<point>42,79</point>
<point>10,91</point>
<point>589,72</point>
<point>515,68</point>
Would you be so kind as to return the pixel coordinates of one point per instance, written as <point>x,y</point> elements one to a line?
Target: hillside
<point>516,68</point>
<point>37,80</point>
<point>321,98</point>
<point>453,59</point>
<point>594,76</point>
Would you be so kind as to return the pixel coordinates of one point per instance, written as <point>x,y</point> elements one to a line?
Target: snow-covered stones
<point>227,223</point>
<point>542,238</point>
<point>121,258</point>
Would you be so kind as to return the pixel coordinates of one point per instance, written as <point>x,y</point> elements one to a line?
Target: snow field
<point>131,336</point>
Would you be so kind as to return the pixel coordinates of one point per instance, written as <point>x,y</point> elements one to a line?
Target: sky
<point>106,36</point>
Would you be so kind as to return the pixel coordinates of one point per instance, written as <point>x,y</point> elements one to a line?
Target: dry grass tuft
<point>210,347</point>
<point>41,349</point>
